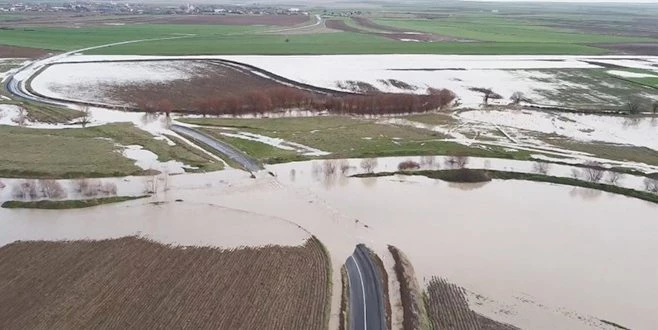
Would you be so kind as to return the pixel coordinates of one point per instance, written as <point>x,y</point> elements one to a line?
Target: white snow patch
<point>146,160</point>
<point>628,74</point>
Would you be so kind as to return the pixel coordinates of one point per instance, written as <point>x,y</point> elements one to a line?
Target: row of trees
<point>280,98</point>
<point>53,189</point>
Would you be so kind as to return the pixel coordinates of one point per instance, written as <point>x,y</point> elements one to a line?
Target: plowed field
<point>448,309</point>
<point>131,283</point>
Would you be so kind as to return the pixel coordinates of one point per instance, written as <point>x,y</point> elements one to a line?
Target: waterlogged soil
<point>520,259</point>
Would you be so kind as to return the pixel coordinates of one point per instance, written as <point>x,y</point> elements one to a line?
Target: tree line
<point>284,98</point>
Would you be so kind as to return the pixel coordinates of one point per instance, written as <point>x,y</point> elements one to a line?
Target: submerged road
<point>226,149</point>
<point>367,310</point>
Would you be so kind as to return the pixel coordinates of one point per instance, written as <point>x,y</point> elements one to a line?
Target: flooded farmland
<point>530,254</point>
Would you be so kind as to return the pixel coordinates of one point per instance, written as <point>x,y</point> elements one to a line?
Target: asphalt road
<point>367,310</point>
<point>226,149</point>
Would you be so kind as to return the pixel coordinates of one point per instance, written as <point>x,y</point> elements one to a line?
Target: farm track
<point>448,309</point>
<point>132,283</point>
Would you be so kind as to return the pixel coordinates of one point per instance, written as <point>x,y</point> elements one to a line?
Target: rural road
<point>226,149</point>
<point>367,310</point>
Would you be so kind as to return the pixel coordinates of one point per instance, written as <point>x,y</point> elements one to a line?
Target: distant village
<point>140,8</point>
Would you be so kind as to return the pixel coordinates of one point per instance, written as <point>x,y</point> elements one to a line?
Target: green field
<point>493,29</point>
<point>218,39</point>
<point>89,152</point>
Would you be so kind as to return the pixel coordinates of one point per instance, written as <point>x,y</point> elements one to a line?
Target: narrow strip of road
<point>225,149</point>
<point>367,311</point>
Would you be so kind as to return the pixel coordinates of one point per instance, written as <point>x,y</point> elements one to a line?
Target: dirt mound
<point>138,284</point>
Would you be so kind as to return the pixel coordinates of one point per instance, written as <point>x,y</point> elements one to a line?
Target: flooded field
<point>529,254</point>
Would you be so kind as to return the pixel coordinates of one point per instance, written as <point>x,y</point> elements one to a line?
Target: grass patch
<point>610,151</point>
<point>67,204</point>
<point>88,152</point>
<point>453,176</point>
<point>351,137</point>
<point>495,29</point>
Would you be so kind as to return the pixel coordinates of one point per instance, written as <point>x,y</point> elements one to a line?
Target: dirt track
<point>131,283</point>
<point>342,26</point>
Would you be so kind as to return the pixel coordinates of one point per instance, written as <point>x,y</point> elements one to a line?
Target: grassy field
<point>218,39</point>
<point>135,283</point>
<point>347,137</point>
<point>67,204</point>
<point>67,153</point>
<point>494,29</point>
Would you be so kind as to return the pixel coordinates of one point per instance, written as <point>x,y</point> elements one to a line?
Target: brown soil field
<point>633,49</point>
<point>21,52</point>
<point>342,26</point>
<point>414,312</point>
<point>448,309</point>
<point>131,283</point>
<point>273,20</point>
<point>219,80</point>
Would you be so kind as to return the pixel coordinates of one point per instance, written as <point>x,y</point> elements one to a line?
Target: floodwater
<point>536,255</point>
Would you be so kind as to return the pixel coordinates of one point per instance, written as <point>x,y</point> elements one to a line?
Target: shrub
<point>51,189</point>
<point>408,165</point>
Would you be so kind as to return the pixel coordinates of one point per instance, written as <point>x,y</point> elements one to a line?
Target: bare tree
<point>593,171</point>
<point>633,106</point>
<point>487,94</point>
<point>613,177</point>
<point>329,167</point>
<point>654,106</point>
<point>25,190</point>
<point>86,116</point>
<point>517,97</point>
<point>21,118</point>
<point>458,162</point>
<point>651,185</point>
<point>108,189</point>
<point>51,189</point>
<point>344,166</point>
<point>541,167</point>
<point>87,187</point>
<point>408,165</point>
<point>369,164</point>
<point>2,185</point>
<point>428,161</point>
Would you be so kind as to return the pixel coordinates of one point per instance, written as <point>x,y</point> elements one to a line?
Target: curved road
<point>366,296</point>
<point>226,149</point>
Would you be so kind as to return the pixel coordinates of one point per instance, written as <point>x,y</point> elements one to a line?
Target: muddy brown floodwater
<point>534,255</point>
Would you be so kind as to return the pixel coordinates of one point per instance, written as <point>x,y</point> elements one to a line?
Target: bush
<point>408,165</point>
<point>51,189</point>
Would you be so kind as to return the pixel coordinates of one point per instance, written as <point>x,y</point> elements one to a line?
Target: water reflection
<point>467,186</point>
<point>585,194</point>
